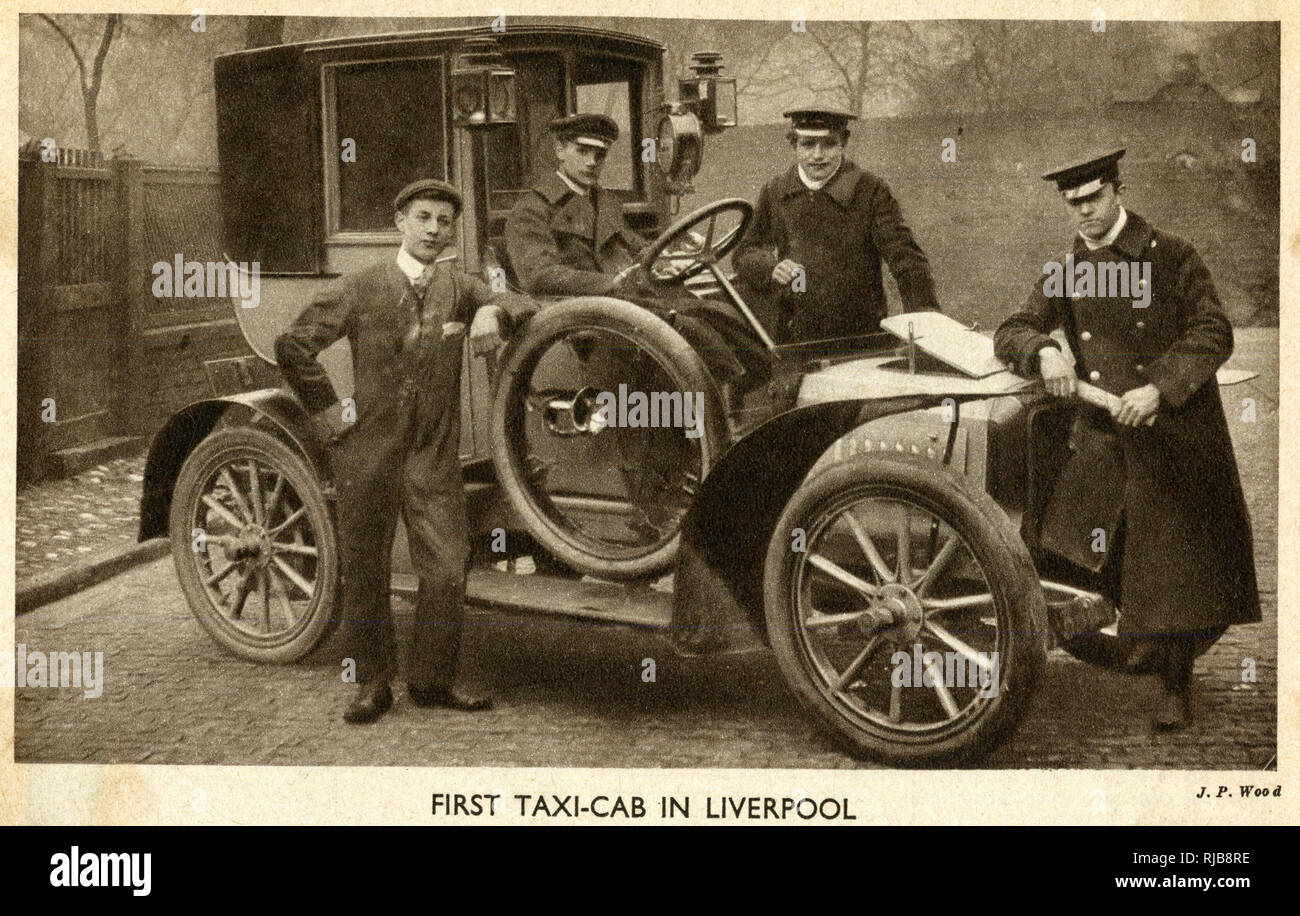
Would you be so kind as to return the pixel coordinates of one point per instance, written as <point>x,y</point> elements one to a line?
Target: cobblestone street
<point>61,522</point>
<point>569,694</point>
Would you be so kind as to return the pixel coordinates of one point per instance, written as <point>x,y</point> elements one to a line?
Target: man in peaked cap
<point>1178,557</point>
<point>821,229</point>
<point>567,237</point>
<point>394,444</point>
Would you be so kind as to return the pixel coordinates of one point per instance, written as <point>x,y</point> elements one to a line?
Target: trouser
<point>375,481</point>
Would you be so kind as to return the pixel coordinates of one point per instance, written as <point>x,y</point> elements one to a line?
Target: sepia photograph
<point>520,391</point>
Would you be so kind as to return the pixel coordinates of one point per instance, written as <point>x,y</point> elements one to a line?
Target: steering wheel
<point>679,252</point>
<point>664,264</point>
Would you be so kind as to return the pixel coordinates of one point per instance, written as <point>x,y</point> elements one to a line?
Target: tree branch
<point>76,55</point>
<point>103,53</point>
<point>826,49</point>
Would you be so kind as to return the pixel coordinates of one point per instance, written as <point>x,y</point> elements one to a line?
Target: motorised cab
<point>314,138</point>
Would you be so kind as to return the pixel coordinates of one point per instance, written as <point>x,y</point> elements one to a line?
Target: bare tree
<point>91,79</point>
<point>847,45</point>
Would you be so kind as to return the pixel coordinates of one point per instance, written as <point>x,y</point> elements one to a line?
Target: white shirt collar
<point>818,185</point>
<point>1109,237</point>
<point>410,264</point>
<point>573,185</point>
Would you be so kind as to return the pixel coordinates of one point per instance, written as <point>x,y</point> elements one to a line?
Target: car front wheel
<point>904,612</point>
<point>255,547</point>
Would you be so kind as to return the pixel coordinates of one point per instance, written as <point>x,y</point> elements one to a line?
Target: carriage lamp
<point>680,144</point>
<point>482,86</point>
<point>710,95</point>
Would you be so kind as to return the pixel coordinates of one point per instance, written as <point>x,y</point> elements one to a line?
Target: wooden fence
<point>102,361</point>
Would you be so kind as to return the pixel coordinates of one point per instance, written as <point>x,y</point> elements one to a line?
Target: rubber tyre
<point>1005,563</point>
<point>316,625</point>
<point>651,334</point>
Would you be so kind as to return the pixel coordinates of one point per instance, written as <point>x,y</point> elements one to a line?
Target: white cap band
<point>592,141</point>
<point>1083,190</point>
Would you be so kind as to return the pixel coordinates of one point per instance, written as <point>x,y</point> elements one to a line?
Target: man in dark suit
<point>813,253</point>
<point>1180,558</point>
<point>395,446</point>
<point>567,237</point>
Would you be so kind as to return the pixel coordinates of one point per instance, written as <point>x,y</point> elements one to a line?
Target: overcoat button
<point>1141,325</point>
<point>1094,375</point>
<point>1086,335</point>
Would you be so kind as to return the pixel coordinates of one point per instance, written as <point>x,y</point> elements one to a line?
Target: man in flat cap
<point>1141,315</point>
<point>813,253</point>
<point>394,443</point>
<point>567,237</point>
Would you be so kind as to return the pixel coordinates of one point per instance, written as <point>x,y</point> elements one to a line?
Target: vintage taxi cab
<point>869,515</point>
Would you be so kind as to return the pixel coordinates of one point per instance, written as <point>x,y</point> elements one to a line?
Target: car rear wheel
<point>904,612</point>
<point>255,547</point>
<point>600,483</point>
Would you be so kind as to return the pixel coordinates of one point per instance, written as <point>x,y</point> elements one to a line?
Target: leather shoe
<point>371,702</point>
<point>1173,710</point>
<point>448,698</point>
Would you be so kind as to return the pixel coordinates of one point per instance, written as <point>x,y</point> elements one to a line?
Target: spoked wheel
<point>254,545</point>
<point>604,423</point>
<point>911,624</point>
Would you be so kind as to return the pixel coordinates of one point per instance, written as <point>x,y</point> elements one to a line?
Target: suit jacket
<point>839,234</point>
<point>559,244</point>
<point>1188,560</point>
<point>373,310</point>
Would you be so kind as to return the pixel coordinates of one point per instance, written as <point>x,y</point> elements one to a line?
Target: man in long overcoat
<point>567,237</point>
<point>1184,563</point>
<point>395,447</point>
<point>813,252</point>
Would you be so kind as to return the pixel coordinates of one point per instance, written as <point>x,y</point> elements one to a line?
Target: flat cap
<point>429,187</point>
<point>1079,179</point>
<point>818,122</point>
<point>591,129</point>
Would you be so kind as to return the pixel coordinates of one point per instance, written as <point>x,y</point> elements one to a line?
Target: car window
<point>369,100</point>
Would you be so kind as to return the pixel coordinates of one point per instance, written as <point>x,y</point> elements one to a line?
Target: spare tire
<point>604,422</point>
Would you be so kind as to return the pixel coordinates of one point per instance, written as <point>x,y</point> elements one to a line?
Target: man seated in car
<point>567,237</point>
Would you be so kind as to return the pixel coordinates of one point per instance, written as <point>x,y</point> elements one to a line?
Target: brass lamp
<point>482,86</point>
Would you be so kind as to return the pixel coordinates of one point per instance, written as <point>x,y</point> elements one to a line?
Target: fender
<point>188,427</point>
<point>718,589</point>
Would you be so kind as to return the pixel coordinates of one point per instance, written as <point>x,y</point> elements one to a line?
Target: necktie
<point>415,295</point>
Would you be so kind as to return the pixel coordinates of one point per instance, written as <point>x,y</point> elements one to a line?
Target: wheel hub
<point>902,605</point>
<point>253,543</point>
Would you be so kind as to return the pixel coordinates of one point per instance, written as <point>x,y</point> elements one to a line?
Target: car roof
<point>608,38</point>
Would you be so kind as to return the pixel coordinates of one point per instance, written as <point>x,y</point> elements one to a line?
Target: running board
<point>601,602</point>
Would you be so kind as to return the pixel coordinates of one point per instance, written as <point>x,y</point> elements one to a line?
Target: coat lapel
<point>609,217</point>
<point>840,189</point>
